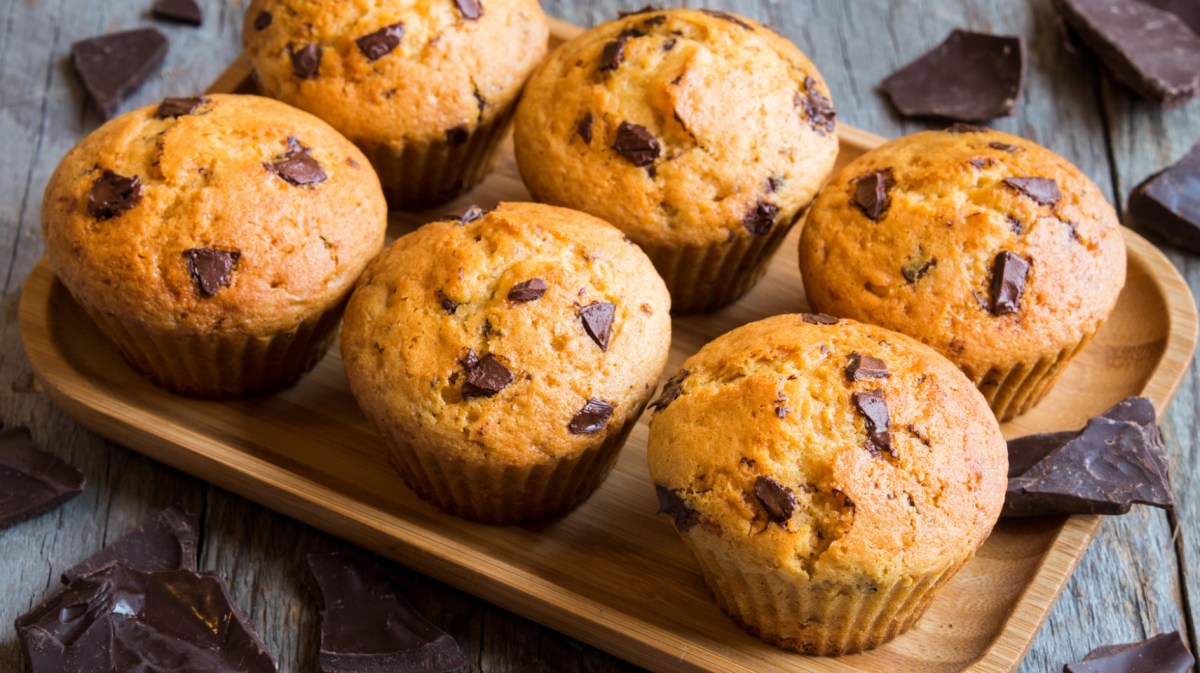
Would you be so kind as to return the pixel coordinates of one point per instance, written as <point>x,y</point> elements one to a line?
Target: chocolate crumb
<point>448,304</point>
<point>818,109</point>
<point>1015,225</point>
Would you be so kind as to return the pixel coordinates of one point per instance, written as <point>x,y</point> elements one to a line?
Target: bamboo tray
<point>610,573</point>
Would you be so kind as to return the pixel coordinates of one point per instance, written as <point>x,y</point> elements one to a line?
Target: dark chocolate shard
<point>1043,190</point>
<point>778,500</point>
<point>671,504</point>
<point>297,167</point>
<point>170,108</point>
<point>597,320</point>
<point>818,109</point>
<point>113,194</point>
<point>872,405</point>
<point>959,128</point>
<point>467,215</point>
<point>113,66</point>
<point>1139,410</point>
<point>1009,271</point>
<point>1005,147</point>
<point>306,61</point>
<point>263,20</point>
<point>183,11</point>
<point>122,619</point>
<point>32,481</point>
<point>636,144</point>
<point>470,9</point>
<point>591,418</point>
<point>166,542</point>
<point>865,367</point>
<point>584,127</point>
<point>969,76</point>
<point>486,378</point>
<point>872,194</point>
<point>1150,50</point>
<point>614,51</point>
<point>380,43</point>
<point>726,16</point>
<point>671,391</point>
<point>761,218</point>
<point>1025,452</point>
<point>529,290</point>
<point>458,135</point>
<point>367,626</point>
<point>1165,653</point>
<point>818,319</point>
<point>1168,202</point>
<point>211,269</point>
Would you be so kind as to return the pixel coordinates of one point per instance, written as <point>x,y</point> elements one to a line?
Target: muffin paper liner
<point>1014,390</point>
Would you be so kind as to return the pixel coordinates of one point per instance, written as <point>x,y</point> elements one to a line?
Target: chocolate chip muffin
<point>213,240</point>
<point>829,477</point>
<point>426,88</point>
<point>993,250</point>
<point>702,135</point>
<point>505,355</point>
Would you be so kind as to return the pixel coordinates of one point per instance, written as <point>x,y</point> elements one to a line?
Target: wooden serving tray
<point>610,573</point>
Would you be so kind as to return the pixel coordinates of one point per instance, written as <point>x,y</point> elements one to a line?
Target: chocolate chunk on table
<point>968,77</point>
<point>32,481</point>
<point>367,626</point>
<point>1168,202</point>
<point>121,619</point>
<point>166,542</point>
<point>1150,50</point>
<point>1025,452</point>
<point>113,66</point>
<point>1164,653</point>
<point>183,11</point>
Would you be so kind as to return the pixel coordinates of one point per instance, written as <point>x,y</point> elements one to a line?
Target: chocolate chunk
<point>671,391</point>
<point>916,266</point>
<point>263,20</point>
<point>591,418</point>
<point>597,320</point>
<point>982,162</point>
<point>761,218</point>
<point>32,481</point>
<point>871,194</point>
<point>470,214</point>
<point>122,619</point>
<point>1043,190</point>
<point>1150,50</point>
<point>170,108</point>
<point>959,128</point>
<point>774,183</point>
<point>1168,202</point>
<point>486,378</point>
<point>530,290</point>
<point>873,407</point>
<point>448,304</point>
<point>297,167</point>
<point>647,9</point>
<point>726,16</point>
<point>818,109</point>
<point>865,367</point>
<point>367,626</point>
<point>211,269</point>
<point>307,61</point>
<point>614,51</point>
<point>1187,11</point>
<point>470,9</point>
<point>1005,147</point>
<point>113,194</point>
<point>671,504</point>
<point>115,65</point>
<point>183,11</point>
<point>1015,225</point>
<point>166,542</point>
<point>818,319</point>
<point>968,76</point>
<point>380,43</point>
<point>636,144</point>
<point>584,127</point>
<point>1009,272</point>
<point>1165,653</point>
<point>470,359</point>
<point>778,500</point>
<point>1025,452</point>
<point>458,135</point>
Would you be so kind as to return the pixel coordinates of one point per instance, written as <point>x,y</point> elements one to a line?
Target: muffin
<point>505,355</point>
<point>993,250</point>
<point>700,134</point>
<point>426,88</point>
<point>214,240</point>
<point>829,477</point>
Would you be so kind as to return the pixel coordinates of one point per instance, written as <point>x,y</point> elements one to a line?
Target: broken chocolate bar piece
<point>968,77</point>
<point>1164,653</point>
<point>1168,202</point>
<point>32,481</point>
<point>1150,50</point>
<point>1025,452</point>
<point>115,65</point>
<point>367,626</point>
<point>121,619</point>
<point>166,542</point>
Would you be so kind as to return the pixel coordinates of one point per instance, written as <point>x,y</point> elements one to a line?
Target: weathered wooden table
<point>1135,581</point>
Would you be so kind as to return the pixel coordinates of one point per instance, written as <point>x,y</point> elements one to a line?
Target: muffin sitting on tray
<point>425,87</point>
<point>505,355</point>
<point>991,249</point>
<point>829,477</point>
<point>702,135</point>
<point>214,239</point>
